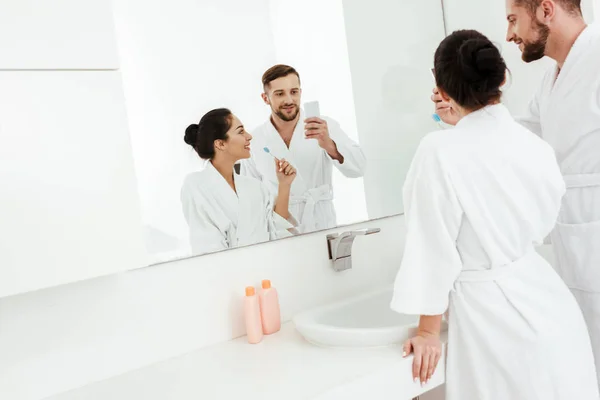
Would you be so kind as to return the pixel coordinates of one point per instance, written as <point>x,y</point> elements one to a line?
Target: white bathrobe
<point>566,113</point>
<point>477,199</point>
<point>311,201</point>
<point>219,219</point>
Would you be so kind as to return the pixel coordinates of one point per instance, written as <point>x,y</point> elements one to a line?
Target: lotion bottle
<point>252,316</point>
<point>269,308</point>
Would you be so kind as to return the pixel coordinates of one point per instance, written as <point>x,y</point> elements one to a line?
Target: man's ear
<point>547,10</point>
<point>265,99</point>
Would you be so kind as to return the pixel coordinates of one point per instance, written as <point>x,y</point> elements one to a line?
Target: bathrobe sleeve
<point>205,236</point>
<point>355,162</point>
<point>279,227</point>
<point>431,262</point>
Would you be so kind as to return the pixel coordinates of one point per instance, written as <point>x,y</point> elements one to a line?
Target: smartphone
<point>311,109</point>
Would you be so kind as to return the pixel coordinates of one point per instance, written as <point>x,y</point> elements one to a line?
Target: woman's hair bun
<point>479,59</point>
<point>191,135</point>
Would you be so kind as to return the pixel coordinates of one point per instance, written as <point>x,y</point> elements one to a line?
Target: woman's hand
<point>427,349</point>
<point>443,109</point>
<point>286,173</point>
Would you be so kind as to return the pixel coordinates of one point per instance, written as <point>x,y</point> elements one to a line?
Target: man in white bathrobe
<point>565,112</point>
<point>314,146</point>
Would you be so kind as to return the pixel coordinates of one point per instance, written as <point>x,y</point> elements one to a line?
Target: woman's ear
<point>219,145</point>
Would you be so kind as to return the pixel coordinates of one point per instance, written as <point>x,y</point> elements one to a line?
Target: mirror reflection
<point>284,185</point>
<point>224,209</point>
<point>260,120</point>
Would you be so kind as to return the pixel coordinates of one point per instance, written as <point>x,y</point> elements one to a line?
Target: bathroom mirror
<point>367,64</point>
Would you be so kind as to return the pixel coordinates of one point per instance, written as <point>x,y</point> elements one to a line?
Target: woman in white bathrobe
<point>477,199</point>
<point>224,210</point>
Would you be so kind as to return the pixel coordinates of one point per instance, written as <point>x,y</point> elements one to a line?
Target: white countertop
<point>283,366</point>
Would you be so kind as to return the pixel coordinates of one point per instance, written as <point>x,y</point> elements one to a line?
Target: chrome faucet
<point>340,247</point>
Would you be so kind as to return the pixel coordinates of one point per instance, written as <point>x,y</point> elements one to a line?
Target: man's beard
<point>533,51</point>
<point>286,117</point>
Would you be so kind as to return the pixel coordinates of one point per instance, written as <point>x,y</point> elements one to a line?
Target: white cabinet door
<point>68,201</point>
<point>57,34</point>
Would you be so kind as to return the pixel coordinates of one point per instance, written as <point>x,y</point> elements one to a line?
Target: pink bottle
<point>252,316</point>
<point>269,308</point>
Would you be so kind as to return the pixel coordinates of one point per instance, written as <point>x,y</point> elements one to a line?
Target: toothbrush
<point>438,120</point>
<point>435,116</point>
<point>268,151</point>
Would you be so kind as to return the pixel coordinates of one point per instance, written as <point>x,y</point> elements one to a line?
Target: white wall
<point>65,337</point>
<point>57,34</point>
<point>180,59</point>
<point>591,8</point>
<point>391,45</point>
<point>69,208</point>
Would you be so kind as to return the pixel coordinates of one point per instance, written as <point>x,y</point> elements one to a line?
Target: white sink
<point>361,321</point>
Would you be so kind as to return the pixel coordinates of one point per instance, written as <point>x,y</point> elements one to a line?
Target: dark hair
<point>470,69</point>
<point>214,125</point>
<point>571,6</point>
<point>276,72</point>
